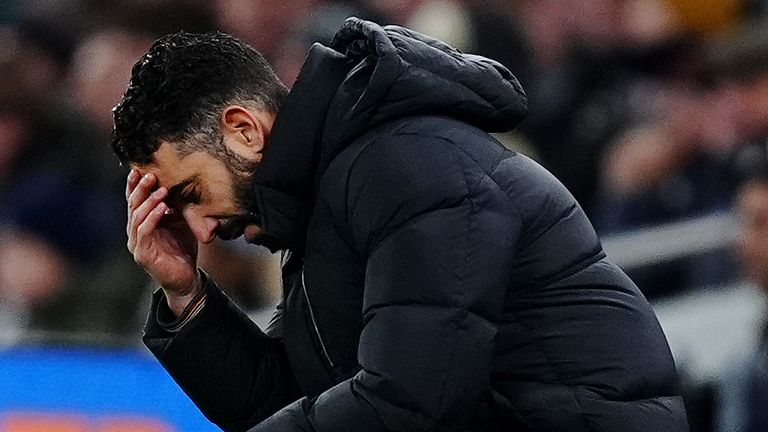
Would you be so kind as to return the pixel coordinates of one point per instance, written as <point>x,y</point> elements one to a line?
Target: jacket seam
<point>459,303</point>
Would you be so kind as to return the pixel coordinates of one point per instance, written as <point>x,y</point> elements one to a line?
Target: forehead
<point>171,167</point>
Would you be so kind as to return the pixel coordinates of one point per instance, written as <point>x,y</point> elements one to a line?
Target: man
<point>433,280</point>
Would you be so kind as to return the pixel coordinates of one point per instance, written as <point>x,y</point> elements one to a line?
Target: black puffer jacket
<point>437,281</point>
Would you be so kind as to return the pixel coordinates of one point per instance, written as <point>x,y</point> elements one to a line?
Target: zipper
<point>314,322</point>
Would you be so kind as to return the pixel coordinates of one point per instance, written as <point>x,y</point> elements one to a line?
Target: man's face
<point>753,236</point>
<point>212,197</point>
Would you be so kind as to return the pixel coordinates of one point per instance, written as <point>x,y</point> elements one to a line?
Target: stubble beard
<point>245,201</point>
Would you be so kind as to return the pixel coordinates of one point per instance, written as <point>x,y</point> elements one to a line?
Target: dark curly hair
<point>178,89</point>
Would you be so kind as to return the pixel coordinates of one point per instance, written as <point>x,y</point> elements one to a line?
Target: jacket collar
<point>283,183</point>
<point>368,76</point>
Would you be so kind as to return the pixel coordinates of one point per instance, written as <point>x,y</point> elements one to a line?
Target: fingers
<point>131,182</point>
<point>140,202</point>
<point>136,217</point>
<point>139,194</point>
<point>144,233</point>
<point>141,212</point>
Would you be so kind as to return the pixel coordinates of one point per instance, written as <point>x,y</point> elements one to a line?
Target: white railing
<point>668,242</point>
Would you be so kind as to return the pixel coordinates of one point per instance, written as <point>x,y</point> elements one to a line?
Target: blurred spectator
<point>737,65</point>
<point>744,392</point>
<point>694,126</point>
<point>261,23</point>
<point>318,26</point>
<point>678,163</point>
<point>57,224</point>
<point>100,70</point>
<point>31,273</point>
<point>61,206</point>
<point>54,232</point>
<point>593,68</point>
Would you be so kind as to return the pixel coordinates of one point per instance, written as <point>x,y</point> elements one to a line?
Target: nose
<point>203,228</point>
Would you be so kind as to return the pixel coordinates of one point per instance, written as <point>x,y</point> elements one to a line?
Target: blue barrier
<point>93,384</point>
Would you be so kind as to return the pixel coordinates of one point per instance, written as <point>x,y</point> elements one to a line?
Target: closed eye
<point>184,192</point>
<point>190,195</point>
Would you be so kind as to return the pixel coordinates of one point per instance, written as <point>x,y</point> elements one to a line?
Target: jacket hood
<point>398,72</point>
<point>369,75</point>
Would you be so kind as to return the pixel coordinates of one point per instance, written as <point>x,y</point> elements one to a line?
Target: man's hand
<point>160,241</point>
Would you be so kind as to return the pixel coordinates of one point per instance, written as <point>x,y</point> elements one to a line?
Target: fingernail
<point>132,174</point>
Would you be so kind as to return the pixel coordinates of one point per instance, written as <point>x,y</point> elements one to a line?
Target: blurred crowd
<point>650,111</point>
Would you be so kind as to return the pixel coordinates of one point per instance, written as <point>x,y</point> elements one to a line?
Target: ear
<point>245,130</point>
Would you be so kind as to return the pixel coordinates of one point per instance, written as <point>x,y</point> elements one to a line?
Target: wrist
<point>178,300</point>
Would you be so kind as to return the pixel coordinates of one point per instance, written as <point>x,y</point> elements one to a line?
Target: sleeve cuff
<point>172,324</point>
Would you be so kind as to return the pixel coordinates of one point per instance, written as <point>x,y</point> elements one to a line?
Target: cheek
<point>221,198</point>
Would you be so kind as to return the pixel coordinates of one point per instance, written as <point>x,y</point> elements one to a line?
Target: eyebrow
<point>174,192</point>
